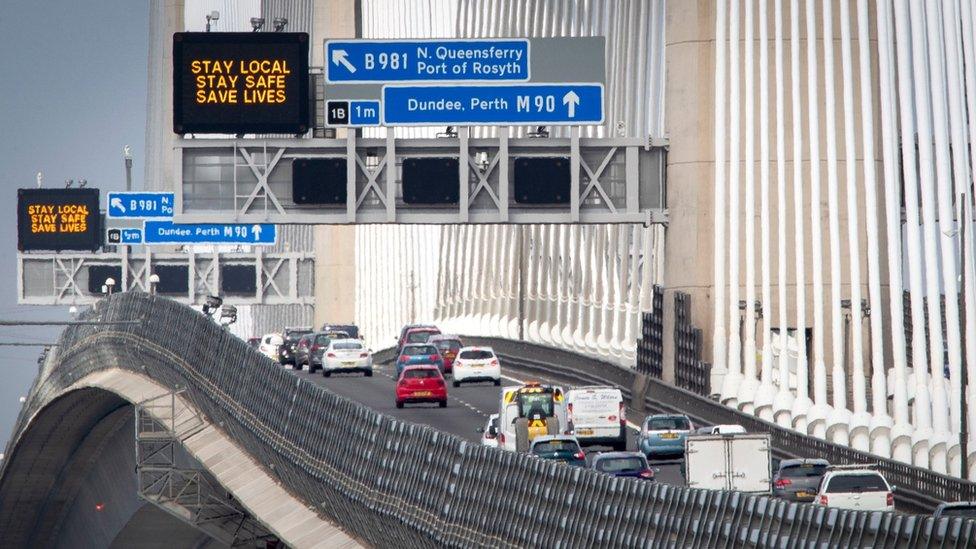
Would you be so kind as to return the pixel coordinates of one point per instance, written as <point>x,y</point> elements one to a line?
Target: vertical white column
<point>562,289</point>
<point>922,403</point>
<point>802,403</point>
<point>967,13</point>
<point>766,391</point>
<point>880,425</point>
<point>596,238</point>
<point>718,260</point>
<point>546,289</point>
<point>817,415</point>
<point>607,249</point>
<point>619,280</point>
<point>784,398</point>
<point>633,319</point>
<point>923,116</point>
<point>946,236</point>
<point>861,420</point>
<point>573,287</point>
<point>747,390</point>
<point>730,386</point>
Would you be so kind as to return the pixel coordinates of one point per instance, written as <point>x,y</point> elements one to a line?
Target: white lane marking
<point>630,424</point>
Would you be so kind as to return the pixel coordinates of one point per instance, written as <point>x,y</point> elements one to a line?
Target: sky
<point>72,94</point>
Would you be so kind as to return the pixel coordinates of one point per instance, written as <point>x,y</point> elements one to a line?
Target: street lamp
<point>110,283</point>
<point>257,23</point>
<point>280,23</point>
<point>153,281</point>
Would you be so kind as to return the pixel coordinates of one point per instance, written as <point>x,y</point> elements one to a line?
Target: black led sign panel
<point>240,82</point>
<point>58,219</point>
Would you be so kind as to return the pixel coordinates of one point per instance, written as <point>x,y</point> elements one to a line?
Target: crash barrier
<point>918,490</point>
<point>396,484</point>
<point>650,346</point>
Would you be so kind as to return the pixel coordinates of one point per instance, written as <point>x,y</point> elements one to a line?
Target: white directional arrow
<point>117,203</point>
<point>256,229</point>
<point>340,57</point>
<point>571,100</point>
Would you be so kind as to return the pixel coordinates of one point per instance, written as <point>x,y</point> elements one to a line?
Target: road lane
<point>467,409</point>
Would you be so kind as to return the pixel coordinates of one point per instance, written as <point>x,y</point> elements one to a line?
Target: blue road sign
<point>124,235</point>
<point>167,232</point>
<point>484,60</point>
<point>140,205</point>
<point>356,113</point>
<point>493,104</point>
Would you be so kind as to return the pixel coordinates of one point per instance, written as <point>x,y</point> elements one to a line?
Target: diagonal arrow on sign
<point>340,57</point>
<point>571,100</point>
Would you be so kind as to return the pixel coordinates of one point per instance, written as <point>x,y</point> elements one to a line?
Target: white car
<point>855,487</point>
<point>269,345</point>
<point>730,429</point>
<point>347,355</point>
<point>598,416</point>
<point>489,433</point>
<point>476,364</point>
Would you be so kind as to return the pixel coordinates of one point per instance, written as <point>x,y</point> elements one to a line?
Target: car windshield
<point>668,424</point>
<point>420,350</point>
<point>960,511</point>
<point>868,482</point>
<point>555,446</point>
<point>423,373</point>
<point>452,345</point>
<point>621,464</point>
<point>477,355</point>
<point>347,346</point>
<point>803,470</point>
<point>536,405</point>
<point>419,336</point>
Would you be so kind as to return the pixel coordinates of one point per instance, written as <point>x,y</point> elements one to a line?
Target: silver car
<point>799,479</point>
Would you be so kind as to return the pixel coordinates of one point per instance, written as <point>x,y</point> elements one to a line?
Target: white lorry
<point>740,462</point>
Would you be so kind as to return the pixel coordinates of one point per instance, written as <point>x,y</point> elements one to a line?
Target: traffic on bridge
<point>468,273</point>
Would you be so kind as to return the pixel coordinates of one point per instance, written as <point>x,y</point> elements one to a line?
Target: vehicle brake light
<point>783,482</point>
<point>331,355</point>
<point>315,348</point>
<point>890,499</point>
<point>404,358</point>
<point>612,418</point>
<point>494,362</point>
<point>501,438</point>
<point>647,473</point>
<point>363,355</point>
<point>579,455</point>
<point>434,357</point>
<point>822,500</point>
<point>623,414</point>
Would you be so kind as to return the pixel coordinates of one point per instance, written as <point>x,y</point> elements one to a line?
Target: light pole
<point>153,281</point>
<point>845,304</point>
<point>963,370</point>
<point>110,284</point>
<point>212,16</point>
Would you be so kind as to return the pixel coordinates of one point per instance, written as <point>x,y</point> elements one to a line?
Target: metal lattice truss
<point>188,494</point>
<point>63,278</point>
<point>612,180</point>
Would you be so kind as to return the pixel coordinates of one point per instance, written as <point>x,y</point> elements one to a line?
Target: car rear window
<point>323,340</point>
<point>556,446</point>
<point>419,336</point>
<point>621,464</point>
<point>449,345</point>
<point>348,346</point>
<point>668,424</point>
<point>868,482</point>
<point>960,511</point>
<point>295,336</point>
<point>420,373</point>
<point>477,355</point>
<point>803,470</point>
<point>422,350</point>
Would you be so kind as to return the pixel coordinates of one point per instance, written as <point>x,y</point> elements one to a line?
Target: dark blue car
<point>419,353</point>
<point>623,464</point>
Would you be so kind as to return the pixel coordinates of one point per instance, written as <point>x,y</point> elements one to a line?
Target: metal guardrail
<point>393,484</point>
<point>919,490</point>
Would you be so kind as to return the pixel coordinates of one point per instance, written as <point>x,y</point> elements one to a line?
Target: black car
<point>799,479</point>
<point>286,351</point>
<point>350,329</point>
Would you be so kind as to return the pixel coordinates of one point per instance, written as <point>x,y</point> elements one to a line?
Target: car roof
<point>802,461</point>
<point>665,416</point>
<point>422,327</point>
<point>476,348</point>
<point>617,455</point>
<point>441,337</point>
<point>548,438</point>
<point>421,367</point>
<point>423,344</point>
<point>346,340</point>
<point>849,472</point>
<point>955,504</point>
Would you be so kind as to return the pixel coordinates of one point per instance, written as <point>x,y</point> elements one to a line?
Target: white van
<point>598,416</point>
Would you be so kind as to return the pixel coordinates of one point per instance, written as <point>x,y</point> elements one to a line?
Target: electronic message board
<point>58,219</point>
<point>240,82</point>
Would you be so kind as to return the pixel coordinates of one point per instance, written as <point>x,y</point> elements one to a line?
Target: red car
<point>448,346</point>
<point>421,384</point>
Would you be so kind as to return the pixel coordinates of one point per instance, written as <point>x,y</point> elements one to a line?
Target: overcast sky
<point>72,94</point>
